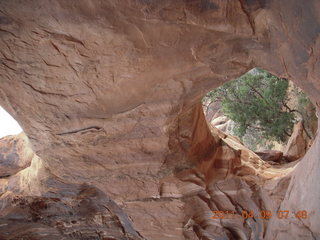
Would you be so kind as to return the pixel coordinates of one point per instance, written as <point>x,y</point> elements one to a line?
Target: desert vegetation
<point>263,108</point>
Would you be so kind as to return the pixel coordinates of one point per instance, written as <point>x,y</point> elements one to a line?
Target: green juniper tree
<point>258,103</point>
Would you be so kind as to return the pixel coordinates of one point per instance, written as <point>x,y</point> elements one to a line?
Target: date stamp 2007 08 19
<point>263,214</point>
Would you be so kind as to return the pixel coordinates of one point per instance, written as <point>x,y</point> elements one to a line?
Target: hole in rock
<point>269,115</point>
<point>8,125</point>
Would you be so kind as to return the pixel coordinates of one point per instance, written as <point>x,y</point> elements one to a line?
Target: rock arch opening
<point>106,92</point>
<point>15,151</point>
<point>8,125</point>
<point>269,115</point>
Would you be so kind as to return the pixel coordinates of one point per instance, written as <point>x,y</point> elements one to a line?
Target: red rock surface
<point>108,93</point>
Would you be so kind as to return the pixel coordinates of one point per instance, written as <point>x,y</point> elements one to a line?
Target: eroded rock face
<point>108,93</point>
<point>77,212</point>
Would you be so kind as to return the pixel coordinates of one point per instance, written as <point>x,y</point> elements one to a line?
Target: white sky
<point>8,126</point>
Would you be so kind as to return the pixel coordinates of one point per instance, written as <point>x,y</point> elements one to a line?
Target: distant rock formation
<point>297,145</point>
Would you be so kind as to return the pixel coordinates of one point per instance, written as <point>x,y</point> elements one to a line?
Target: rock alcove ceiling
<point>108,93</point>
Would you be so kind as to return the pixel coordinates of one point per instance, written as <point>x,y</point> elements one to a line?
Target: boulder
<point>15,154</point>
<point>270,155</point>
<point>219,121</point>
